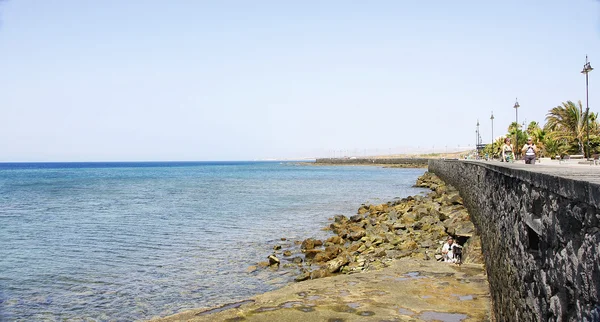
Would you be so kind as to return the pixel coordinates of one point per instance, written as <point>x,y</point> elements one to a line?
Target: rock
<point>297,260</point>
<point>251,269</point>
<point>319,273</point>
<point>309,243</point>
<point>398,225</point>
<point>354,247</point>
<point>340,219</point>
<point>428,243</point>
<point>408,245</point>
<point>335,240</point>
<point>273,260</point>
<point>311,253</point>
<point>277,247</point>
<point>263,264</point>
<point>356,233</point>
<point>357,218</point>
<point>363,209</point>
<point>283,239</point>
<point>287,253</point>
<point>302,277</point>
<point>335,264</point>
<point>379,253</point>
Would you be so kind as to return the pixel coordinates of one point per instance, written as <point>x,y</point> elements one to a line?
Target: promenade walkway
<point>570,169</point>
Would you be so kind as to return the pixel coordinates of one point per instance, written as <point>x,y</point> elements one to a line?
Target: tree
<point>566,123</point>
<point>517,135</point>
<point>539,137</point>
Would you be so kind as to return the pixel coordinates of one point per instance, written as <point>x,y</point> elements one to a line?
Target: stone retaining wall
<point>540,237</point>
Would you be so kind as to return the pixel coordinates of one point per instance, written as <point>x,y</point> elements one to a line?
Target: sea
<point>127,241</point>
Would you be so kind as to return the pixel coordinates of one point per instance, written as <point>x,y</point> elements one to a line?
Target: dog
<point>457,254</point>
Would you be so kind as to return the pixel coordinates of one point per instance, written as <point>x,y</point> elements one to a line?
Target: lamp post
<point>492,118</point>
<point>586,69</point>
<point>477,139</point>
<point>516,106</point>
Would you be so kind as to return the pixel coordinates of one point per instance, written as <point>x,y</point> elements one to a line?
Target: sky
<point>141,80</point>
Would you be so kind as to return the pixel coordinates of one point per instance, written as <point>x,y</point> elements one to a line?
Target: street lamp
<point>516,123</point>
<point>477,138</point>
<point>492,118</point>
<point>586,69</point>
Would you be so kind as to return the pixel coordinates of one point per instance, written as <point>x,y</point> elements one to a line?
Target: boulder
<point>302,277</point>
<point>277,247</point>
<point>336,240</point>
<point>357,218</point>
<point>273,260</point>
<point>287,253</point>
<point>310,243</point>
<point>335,264</point>
<point>356,233</point>
<point>311,253</point>
<point>363,209</point>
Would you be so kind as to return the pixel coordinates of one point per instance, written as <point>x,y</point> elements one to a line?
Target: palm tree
<point>566,122</point>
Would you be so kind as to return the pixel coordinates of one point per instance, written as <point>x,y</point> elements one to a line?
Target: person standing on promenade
<point>530,150</point>
<point>507,151</point>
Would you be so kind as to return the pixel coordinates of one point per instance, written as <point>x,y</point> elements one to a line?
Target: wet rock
<point>310,243</point>
<point>363,209</point>
<point>287,253</point>
<point>310,254</point>
<point>277,247</point>
<point>297,260</point>
<point>251,269</point>
<point>357,218</point>
<point>273,260</point>
<point>262,264</point>
<point>302,277</point>
<point>340,219</point>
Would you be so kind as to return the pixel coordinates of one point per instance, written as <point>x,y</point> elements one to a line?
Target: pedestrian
<point>530,150</point>
<point>507,151</point>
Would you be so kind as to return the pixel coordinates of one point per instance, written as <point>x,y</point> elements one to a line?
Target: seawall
<point>379,161</point>
<point>540,235</point>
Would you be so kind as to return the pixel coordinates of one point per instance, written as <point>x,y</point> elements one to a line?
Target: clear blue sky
<point>85,80</point>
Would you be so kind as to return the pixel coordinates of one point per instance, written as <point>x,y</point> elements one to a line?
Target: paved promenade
<point>569,169</point>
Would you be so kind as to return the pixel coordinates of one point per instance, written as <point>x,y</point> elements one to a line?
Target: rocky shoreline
<point>395,246</point>
<point>413,227</point>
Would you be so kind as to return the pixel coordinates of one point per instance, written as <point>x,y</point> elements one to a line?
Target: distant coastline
<point>385,162</point>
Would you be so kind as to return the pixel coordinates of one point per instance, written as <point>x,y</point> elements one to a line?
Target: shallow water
<point>130,241</point>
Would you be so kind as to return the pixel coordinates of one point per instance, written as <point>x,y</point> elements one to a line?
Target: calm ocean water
<point>132,241</point>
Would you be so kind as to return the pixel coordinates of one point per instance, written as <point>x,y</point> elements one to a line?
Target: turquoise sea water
<point>132,241</point>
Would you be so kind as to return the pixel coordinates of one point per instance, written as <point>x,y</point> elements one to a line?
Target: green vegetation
<point>564,133</point>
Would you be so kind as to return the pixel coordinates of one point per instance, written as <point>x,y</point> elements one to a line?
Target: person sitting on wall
<point>450,250</point>
<point>530,150</point>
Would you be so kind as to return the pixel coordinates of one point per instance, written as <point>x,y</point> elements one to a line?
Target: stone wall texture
<point>540,237</point>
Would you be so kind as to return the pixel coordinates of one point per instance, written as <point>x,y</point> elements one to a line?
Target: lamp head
<point>587,67</point>
<point>517,104</point>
